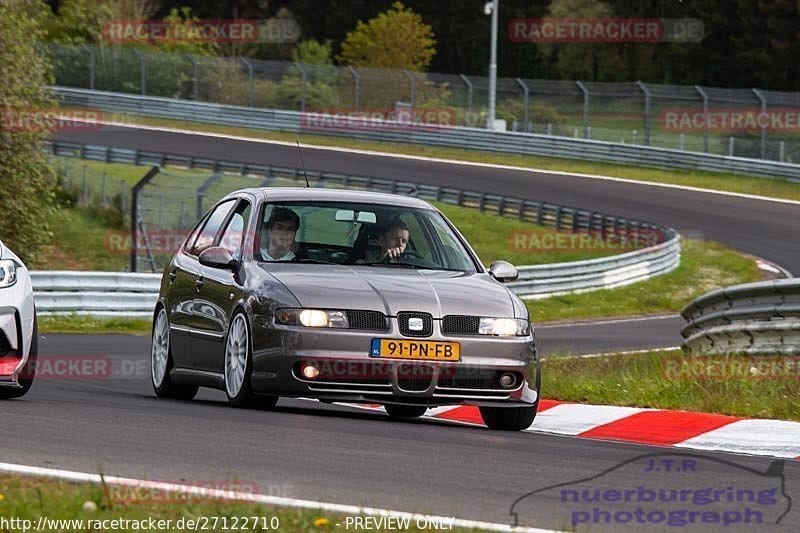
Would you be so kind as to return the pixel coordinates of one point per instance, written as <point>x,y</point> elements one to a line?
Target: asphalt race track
<point>338,454</point>
<point>114,424</point>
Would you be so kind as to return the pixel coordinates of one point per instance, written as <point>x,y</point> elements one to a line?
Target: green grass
<point>29,498</point>
<point>711,180</point>
<point>650,380</point>
<point>705,266</point>
<point>89,324</point>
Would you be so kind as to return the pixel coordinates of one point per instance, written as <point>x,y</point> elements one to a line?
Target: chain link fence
<point>690,118</point>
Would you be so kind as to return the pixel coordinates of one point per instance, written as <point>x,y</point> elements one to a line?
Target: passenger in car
<point>393,242</point>
<point>279,233</point>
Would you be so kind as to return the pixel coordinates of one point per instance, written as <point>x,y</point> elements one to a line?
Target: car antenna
<point>301,162</point>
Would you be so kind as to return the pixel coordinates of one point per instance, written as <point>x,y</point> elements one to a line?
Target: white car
<point>18,330</point>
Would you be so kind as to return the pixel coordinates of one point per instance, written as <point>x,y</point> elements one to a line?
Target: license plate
<point>406,349</point>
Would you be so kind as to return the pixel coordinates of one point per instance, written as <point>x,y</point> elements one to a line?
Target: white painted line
<point>610,321</point>
<point>775,438</point>
<point>574,418</point>
<point>451,161</point>
<point>607,354</point>
<point>204,492</point>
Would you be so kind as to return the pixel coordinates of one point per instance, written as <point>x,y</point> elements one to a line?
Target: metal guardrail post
<point>250,81</point>
<point>704,96</point>
<point>356,87</point>
<point>525,97</point>
<point>585,92</point>
<point>646,92</point>
<point>90,50</point>
<point>413,86</point>
<point>304,80</point>
<point>142,72</point>
<point>135,211</point>
<point>763,101</point>
<point>468,83</point>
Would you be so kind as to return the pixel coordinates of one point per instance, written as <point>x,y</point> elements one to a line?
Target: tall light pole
<point>491,8</point>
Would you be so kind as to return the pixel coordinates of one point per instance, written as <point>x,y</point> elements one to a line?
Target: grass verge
<point>730,385</point>
<point>88,324</point>
<point>705,266</point>
<point>775,188</point>
<point>85,507</point>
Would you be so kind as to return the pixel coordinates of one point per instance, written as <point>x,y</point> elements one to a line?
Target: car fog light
<point>309,371</point>
<point>508,380</point>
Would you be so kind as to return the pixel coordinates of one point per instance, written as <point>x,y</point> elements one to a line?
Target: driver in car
<point>279,234</point>
<point>393,241</point>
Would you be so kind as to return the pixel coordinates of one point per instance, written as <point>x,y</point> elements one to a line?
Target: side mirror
<point>503,271</point>
<point>218,257</point>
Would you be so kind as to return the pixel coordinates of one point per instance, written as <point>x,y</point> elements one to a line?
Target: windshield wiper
<point>402,265</point>
<point>311,260</point>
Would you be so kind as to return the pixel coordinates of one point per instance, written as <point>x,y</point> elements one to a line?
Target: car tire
<point>161,362</point>
<point>509,418</point>
<point>238,367</point>
<point>405,411</point>
<point>28,372</point>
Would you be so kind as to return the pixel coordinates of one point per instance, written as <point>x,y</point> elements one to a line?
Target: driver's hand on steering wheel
<point>392,253</point>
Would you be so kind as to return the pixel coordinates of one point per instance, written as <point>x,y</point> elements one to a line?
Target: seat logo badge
<point>415,324</point>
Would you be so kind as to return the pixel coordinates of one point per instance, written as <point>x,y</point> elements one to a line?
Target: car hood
<point>390,289</point>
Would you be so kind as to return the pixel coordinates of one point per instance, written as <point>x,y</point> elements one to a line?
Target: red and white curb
<point>680,429</point>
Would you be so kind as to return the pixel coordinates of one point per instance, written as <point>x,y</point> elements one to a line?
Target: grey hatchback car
<point>345,296</point>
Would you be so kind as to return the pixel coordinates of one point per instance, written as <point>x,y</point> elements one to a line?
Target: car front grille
<point>414,378</point>
<point>367,320</point>
<point>404,318</point>
<point>460,325</point>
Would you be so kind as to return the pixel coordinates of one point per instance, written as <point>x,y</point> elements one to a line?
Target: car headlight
<point>504,327</point>
<point>8,273</point>
<point>312,318</point>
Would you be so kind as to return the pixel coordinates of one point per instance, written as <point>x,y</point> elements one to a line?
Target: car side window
<point>233,237</point>
<point>205,237</point>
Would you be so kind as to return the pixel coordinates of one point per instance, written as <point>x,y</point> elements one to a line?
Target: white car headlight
<point>312,318</point>
<point>504,327</point>
<point>8,273</point>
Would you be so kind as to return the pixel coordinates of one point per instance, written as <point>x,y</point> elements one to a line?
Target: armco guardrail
<point>454,137</point>
<point>754,318</point>
<point>95,293</point>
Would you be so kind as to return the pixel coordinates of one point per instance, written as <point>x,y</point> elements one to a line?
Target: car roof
<point>305,194</point>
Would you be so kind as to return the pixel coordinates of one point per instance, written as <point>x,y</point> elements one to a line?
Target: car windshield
<point>380,236</point>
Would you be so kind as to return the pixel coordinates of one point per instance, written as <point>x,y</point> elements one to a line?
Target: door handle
<point>198,283</point>
<point>172,276</point>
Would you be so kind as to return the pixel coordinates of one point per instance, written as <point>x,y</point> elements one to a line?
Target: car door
<point>220,291</point>
<point>186,279</point>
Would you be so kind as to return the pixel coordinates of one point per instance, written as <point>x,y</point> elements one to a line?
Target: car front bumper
<point>16,327</point>
<point>349,373</point>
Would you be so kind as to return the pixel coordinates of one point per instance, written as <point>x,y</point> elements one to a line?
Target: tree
<point>397,38</point>
<point>26,191</point>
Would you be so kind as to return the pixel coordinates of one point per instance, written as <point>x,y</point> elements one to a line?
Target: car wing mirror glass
<point>503,271</point>
<point>218,257</point>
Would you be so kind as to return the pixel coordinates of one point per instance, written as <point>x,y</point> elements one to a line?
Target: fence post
<point>356,87</point>
<point>730,146</point>
<point>202,190</point>
<point>646,92</point>
<point>585,92</point>
<point>91,65</point>
<point>195,88</point>
<point>469,100</point>
<point>704,96</point>
<point>763,101</point>
<point>105,190</point>
<point>525,98</point>
<point>85,185</point>
<point>250,83</point>
<point>413,85</point>
<point>142,71</point>
<point>135,210</point>
<point>299,67</point>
